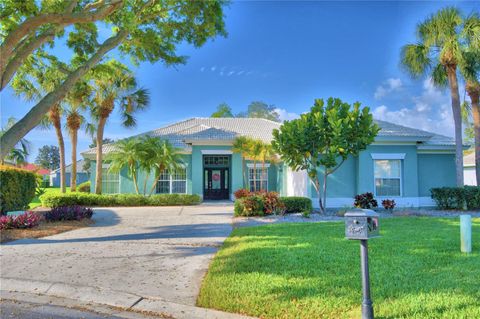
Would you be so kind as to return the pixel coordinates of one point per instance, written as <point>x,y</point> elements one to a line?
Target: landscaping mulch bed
<point>44,229</point>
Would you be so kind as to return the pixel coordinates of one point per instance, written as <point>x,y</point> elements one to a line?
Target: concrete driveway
<point>149,252</point>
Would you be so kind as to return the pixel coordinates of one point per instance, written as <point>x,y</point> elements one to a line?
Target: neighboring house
<point>402,164</point>
<point>44,172</point>
<point>82,175</point>
<point>469,175</point>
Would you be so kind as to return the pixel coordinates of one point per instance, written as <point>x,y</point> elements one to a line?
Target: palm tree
<point>47,77</point>
<point>438,54</point>
<point>256,150</point>
<point>242,145</point>
<point>267,155</point>
<point>166,157</point>
<point>470,70</point>
<point>54,118</point>
<point>126,154</point>
<point>114,85</point>
<point>147,157</point>
<point>20,153</point>
<point>78,101</point>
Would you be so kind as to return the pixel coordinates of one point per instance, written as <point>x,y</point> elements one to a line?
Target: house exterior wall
<point>469,176</point>
<point>435,170</point>
<point>55,180</point>
<point>420,172</point>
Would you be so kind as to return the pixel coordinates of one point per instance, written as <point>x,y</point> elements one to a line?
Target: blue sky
<point>288,54</point>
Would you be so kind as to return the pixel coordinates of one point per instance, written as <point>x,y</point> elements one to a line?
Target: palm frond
<point>439,76</point>
<point>415,59</point>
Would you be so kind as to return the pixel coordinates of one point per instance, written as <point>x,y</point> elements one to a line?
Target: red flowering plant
<point>241,193</point>
<point>389,204</point>
<point>272,203</point>
<point>25,220</point>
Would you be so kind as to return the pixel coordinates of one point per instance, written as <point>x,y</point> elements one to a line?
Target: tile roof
<point>68,168</point>
<point>229,128</point>
<point>36,169</point>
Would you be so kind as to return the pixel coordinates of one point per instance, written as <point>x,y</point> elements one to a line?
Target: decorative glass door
<point>216,183</point>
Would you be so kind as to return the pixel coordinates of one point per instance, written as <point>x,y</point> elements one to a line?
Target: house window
<point>259,177</point>
<point>388,180</point>
<point>175,183</point>
<point>110,182</point>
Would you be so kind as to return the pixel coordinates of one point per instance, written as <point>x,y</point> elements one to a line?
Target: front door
<point>216,181</point>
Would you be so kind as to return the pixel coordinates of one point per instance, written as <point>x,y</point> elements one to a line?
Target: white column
<point>466,233</point>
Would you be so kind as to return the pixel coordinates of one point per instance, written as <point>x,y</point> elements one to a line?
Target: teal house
<point>402,164</point>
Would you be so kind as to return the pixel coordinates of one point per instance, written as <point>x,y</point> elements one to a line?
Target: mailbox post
<point>362,224</point>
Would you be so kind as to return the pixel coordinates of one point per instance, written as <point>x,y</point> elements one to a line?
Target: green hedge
<point>297,204</point>
<point>456,197</point>
<point>86,199</point>
<point>17,188</point>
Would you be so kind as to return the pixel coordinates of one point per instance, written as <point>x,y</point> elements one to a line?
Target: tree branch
<point>33,117</point>
<point>30,25</point>
<point>22,55</point>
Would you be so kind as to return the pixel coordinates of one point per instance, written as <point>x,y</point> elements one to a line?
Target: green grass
<point>311,271</point>
<point>36,201</point>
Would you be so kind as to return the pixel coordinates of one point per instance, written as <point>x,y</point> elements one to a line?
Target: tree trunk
<point>73,173</point>
<point>34,116</point>
<point>135,183</point>
<point>473,91</point>
<point>246,184</point>
<point>98,176</point>
<point>325,176</point>
<point>154,184</point>
<point>316,184</point>
<point>263,173</point>
<point>254,176</point>
<point>457,119</point>
<point>12,43</point>
<point>61,146</point>
<point>147,176</point>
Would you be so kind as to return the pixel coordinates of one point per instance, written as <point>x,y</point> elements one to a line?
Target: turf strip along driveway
<point>142,258</point>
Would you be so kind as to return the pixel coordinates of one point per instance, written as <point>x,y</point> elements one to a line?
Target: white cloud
<point>202,69</point>
<point>390,85</point>
<point>213,68</point>
<point>285,115</point>
<point>430,111</point>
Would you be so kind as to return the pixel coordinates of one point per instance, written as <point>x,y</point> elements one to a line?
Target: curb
<point>120,300</point>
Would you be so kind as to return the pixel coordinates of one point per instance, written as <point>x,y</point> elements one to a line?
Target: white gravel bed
<point>331,217</point>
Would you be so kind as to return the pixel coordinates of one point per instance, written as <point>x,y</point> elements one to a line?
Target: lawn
<point>311,271</point>
<point>36,201</point>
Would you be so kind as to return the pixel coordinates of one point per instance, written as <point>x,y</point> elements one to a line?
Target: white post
<point>465,233</point>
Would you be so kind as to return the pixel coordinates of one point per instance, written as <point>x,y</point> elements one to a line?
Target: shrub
<point>456,197</point>
<point>68,213</point>
<point>272,203</point>
<point>250,206</point>
<point>388,204</point>
<point>86,199</point>
<point>241,193</point>
<point>17,188</point>
<point>25,220</point>
<point>296,204</point>
<point>84,187</point>
<point>365,201</point>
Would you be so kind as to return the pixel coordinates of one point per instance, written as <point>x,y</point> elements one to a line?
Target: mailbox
<point>361,224</point>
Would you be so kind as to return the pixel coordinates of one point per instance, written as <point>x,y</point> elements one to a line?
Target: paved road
<point>23,310</point>
<point>150,252</point>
